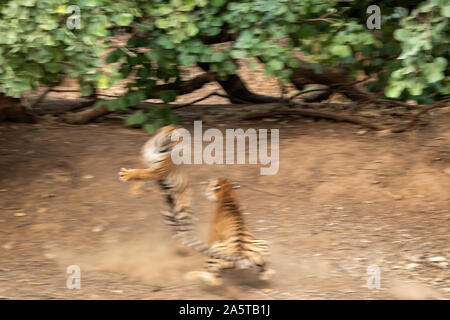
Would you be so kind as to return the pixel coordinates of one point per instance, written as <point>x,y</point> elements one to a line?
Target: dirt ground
<point>343,200</point>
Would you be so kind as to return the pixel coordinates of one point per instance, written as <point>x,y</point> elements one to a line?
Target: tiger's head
<point>218,186</point>
<point>164,135</point>
<point>160,145</point>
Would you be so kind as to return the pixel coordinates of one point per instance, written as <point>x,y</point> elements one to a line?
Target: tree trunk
<point>337,80</point>
<point>12,110</point>
<point>238,92</point>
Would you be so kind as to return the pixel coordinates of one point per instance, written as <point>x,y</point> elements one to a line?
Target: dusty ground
<point>343,200</point>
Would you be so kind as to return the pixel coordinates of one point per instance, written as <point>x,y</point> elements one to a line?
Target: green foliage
<point>424,38</point>
<point>37,47</point>
<point>408,57</point>
<point>152,119</point>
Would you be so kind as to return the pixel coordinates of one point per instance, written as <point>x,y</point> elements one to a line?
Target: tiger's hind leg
<point>257,251</point>
<point>212,275</point>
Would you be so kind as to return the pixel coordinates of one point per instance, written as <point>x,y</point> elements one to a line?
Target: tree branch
<point>313,114</point>
<point>410,124</point>
<point>182,87</point>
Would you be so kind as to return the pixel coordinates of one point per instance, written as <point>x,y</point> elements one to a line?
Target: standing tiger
<point>229,234</point>
<point>156,154</point>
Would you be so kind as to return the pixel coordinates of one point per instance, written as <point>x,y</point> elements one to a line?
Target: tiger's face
<point>159,146</point>
<point>215,187</point>
<point>165,133</point>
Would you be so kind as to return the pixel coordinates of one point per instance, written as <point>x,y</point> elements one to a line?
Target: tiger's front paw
<point>126,174</point>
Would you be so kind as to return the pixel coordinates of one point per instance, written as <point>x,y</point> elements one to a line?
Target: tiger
<point>156,154</point>
<point>230,234</point>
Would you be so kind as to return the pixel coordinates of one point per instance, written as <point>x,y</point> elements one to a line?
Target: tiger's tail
<point>183,229</point>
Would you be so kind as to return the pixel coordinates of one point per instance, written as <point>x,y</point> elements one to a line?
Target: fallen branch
<point>313,114</point>
<point>410,124</point>
<point>182,87</point>
<point>87,115</point>
<point>200,99</point>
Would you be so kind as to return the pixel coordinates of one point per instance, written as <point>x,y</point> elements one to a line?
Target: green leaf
<point>274,65</point>
<point>191,29</point>
<point>394,90</point>
<point>187,59</point>
<point>165,42</point>
<point>115,55</point>
<point>341,50</point>
<point>53,67</point>
<point>445,11</point>
<point>402,34</point>
<point>433,72</point>
<point>86,90</point>
<point>135,97</point>
<point>218,3</point>
<point>168,96</point>
<point>123,19</point>
<point>238,54</point>
<point>416,88</point>
<point>102,82</point>
<point>253,65</point>
<point>136,118</point>
<point>293,63</point>
<point>150,128</point>
<point>117,104</point>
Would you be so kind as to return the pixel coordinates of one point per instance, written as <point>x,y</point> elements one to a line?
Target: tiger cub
<point>156,154</point>
<point>230,234</point>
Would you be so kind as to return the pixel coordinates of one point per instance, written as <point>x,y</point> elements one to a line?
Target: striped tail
<point>184,233</point>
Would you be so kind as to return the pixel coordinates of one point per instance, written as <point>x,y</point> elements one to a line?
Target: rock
<point>411,266</point>
<point>436,259</point>
<point>361,132</point>
<point>97,229</point>
<point>88,176</point>
<point>49,255</point>
<point>42,210</point>
<point>385,132</point>
<point>397,196</point>
<point>7,246</point>
<point>48,195</point>
<point>20,214</point>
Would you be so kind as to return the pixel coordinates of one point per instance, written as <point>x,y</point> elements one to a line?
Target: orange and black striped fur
<point>156,154</point>
<point>229,234</point>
